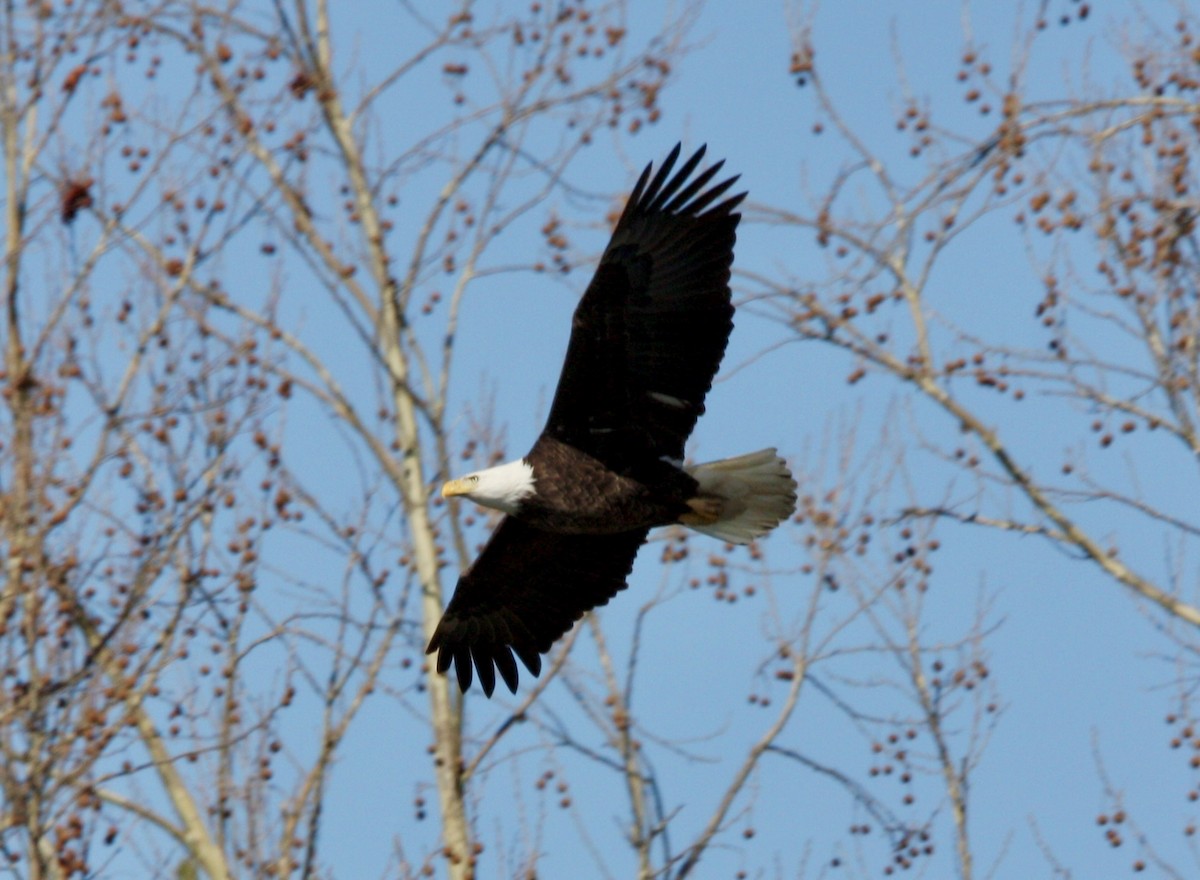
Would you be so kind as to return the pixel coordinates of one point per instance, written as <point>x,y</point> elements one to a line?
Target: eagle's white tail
<point>756,493</point>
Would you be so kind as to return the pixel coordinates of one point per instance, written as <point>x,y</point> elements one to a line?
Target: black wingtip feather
<point>705,199</point>
<point>680,178</point>
<point>679,204</point>
<point>664,171</point>
<point>636,195</point>
<point>507,666</point>
<point>485,669</point>
<point>530,657</point>
<point>462,667</point>
<point>445,655</point>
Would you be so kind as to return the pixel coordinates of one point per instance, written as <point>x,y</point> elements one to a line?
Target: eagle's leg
<point>702,511</point>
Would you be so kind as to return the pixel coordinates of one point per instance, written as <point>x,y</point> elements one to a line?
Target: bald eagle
<point>646,340</point>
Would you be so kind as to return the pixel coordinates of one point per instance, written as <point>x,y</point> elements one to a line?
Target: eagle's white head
<point>503,487</point>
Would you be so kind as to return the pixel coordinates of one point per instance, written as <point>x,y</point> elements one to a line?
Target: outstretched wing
<point>650,331</point>
<point>525,590</point>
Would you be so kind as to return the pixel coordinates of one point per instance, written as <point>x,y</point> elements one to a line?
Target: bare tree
<point>152,399</point>
<point>1104,180</point>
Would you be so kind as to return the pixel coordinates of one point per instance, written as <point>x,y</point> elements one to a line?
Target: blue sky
<point>1077,668</point>
<point>1080,675</point>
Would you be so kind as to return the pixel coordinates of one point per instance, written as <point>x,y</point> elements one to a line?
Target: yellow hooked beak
<point>451,488</point>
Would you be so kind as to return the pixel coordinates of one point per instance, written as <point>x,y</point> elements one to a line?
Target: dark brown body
<point>578,494</point>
